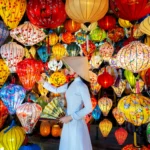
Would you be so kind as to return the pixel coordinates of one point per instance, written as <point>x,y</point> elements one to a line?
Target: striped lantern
<point>12,53</point>
<point>28,115</point>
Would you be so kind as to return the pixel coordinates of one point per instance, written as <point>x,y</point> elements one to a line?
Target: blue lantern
<point>43,53</point>
<point>12,95</point>
<point>30,147</point>
<point>96,113</point>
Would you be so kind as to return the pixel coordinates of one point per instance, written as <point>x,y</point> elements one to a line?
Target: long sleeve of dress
<point>86,101</point>
<point>51,88</point>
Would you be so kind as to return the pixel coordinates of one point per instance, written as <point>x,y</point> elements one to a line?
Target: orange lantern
<point>94,102</point>
<point>56,131</point>
<point>67,37</point>
<point>45,128</point>
<point>105,127</point>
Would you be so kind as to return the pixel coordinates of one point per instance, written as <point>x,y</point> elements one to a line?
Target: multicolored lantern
<point>12,95</point>
<point>96,113</point>
<point>121,135</point>
<point>136,109</point>
<point>148,132</point>
<point>82,12</point>
<point>67,37</point>
<point>12,53</point>
<point>27,34</point>
<point>95,88</point>
<point>139,86</point>
<point>46,13</point>
<point>93,77</point>
<point>133,147</point>
<point>81,37</point>
<point>55,65</point>
<point>29,71</point>
<point>105,105</point>
<point>52,39</point>
<point>124,23</point>
<point>12,11</point>
<point>137,33</point>
<point>105,127</point>
<point>28,115</point>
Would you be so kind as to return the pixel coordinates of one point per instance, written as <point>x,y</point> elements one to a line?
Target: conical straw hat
<point>79,65</point>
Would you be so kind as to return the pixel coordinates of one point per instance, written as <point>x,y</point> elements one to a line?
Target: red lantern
<point>121,135</point>
<point>94,102</point>
<point>130,9</point>
<point>46,13</point>
<point>105,79</point>
<point>132,147</point>
<point>147,77</point>
<point>108,22</point>
<point>29,71</point>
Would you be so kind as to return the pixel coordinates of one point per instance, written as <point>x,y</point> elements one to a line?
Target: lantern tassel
<point>13,123</point>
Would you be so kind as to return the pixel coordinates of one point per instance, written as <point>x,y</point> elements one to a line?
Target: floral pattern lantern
<point>134,57</point>
<point>55,65</point>
<point>12,11</point>
<point>28,115</point>
<point>46,13</point>
<point>136,109</point>
<point>27,34</point>
<point>12,53</point>
<point>12,95</point>
<point>105,127</point>
<point>29,71</point>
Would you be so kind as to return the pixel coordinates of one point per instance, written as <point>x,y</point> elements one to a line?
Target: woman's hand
<point>65,119</point>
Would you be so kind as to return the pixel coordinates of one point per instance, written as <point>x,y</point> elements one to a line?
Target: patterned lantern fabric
<point>12,95</point>
<point>55,65</point>
<point>27,34</point>
<point>96,113</point>
<point>132,147</point>
<point>12,11</point>
<point>12,53</point>
<point>134,57</point>
<point>43,53</point>
<point>136,109</point>
<point>28,114</point>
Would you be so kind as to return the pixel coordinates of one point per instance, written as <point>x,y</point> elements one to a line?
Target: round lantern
<point>124,23</point>
<point>108,22</point>
<point>52,39</point>
<point>55,65</point>
<point>56,130</point>
<point>46,13</point>
<point>132,147</point>
<point>12,53</point>
<point>105,127</point>
<point>67,37</point>
<point>96,113</point>
<point>81,37</point>
<point>12,95</point>
<point>121,135</point>
<point>45,128</point>
<point>148,133</point>
<point>12,12</point>
<point>134,57</point>
<point>28,115</point>
<point>89,26</point>
<point>81,11</point>
<point>95,88</point>
<point>27,34</point>
<point>1,147</point>
<point>93,77</point>
<point>135,108</point>
<point>30,147</point>
<point>105,105</point>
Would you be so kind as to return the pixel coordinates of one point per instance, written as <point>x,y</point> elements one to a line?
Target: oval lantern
<point>46,13</point>
<point>52,39</point>
<point>68,37</point>
<point>95,88</point>
<point>94,102</point>
<point>12,95</point>
<point>121,135</point>
<point>133,147</point>
<point>30,147</point>
<point>82,12</point>
<point>124,23</point>
<point>45,128</point>
<point>29,71</point>
<point>81,37</point>
<point>105,127</point>
<point>56,130</point>
<point>12,53</point>
<point>55,65</point>
<point>12,12</point>
<point>28,115</point>
<point>148,132</point>
<point>27,34</point>
<point>96,113</point>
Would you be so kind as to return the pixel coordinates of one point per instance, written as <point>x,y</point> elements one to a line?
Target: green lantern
<point>148,133</point>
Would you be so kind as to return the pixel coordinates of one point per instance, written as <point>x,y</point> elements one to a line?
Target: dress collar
<point>77,79</point>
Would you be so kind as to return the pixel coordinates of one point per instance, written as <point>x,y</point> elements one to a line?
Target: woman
<point>75,134</point>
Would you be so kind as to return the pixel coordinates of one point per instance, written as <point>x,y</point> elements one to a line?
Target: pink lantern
<point>12,53</point>
<point>28,114</point>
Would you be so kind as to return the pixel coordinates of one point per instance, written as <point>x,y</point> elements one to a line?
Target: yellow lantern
<point>124,23</point>
<point>136,109</point>
<point>30,53</point>
<point>105,127</point>
<point>105,105</point>
<point>12,11</point>
<point>52,39</point>
<point>1,147</point>
<point>147,40</point>
<point>137,33</point>
<point>42,90</point>
<point>86,11</point>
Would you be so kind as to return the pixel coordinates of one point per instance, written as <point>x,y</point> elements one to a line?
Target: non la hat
<point>79,64</point>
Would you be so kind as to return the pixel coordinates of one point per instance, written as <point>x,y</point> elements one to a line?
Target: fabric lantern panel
<point>94,102</point>
<point>52,39</point>
<point>12,95</point>
<point>30,147</point>
<point>147,78</point>
<point>67,37</point>
<point>95,88</point>
<point>89,26</point>
<point>55,65</point>
<point>30,53</point>
<point>28,115</point>
<point>27,34</point>
<point>124,23</point>
<point>12,53</point>
<point>80,37</point>
<point>96,113</point>
<point>132,147</point>
<point>42,90</point>
<point>148,132</point>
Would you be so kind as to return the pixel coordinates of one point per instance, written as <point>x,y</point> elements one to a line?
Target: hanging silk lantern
<point>52,39</point>
<point>28,115</point>
<point>60,29</point>
<point>43,53</point>
<point>3,114</point>
<point>29,71</point>
<point>46,13</point>
<point>12,95</point>
<point>1,147</point>
<point>106,50</point>
<point>148,132</point>
<point>31,53</point>
<point>121,135</point>
<point>55,65</point>
<point>137,33</point>
<point>12,12</point>
<point>82,12</point>
<point>113,61</point>
<point>93,77</point>
<point>95,88</point>
<point>89,26</point>
<point>42,90</point>
<point>147,40</point>
<point>108,22</point>
<point>81,37</point>
<point>96,113</point>
<point>67,37</point>
<point>27,34</point>
<point>105,105</point>
<point>124,23</point>
<point>133,147</point>
<point>130,10</point>
<point>12,53</point>
<point>4,33</point>
<point>147,78</point>
<point>118,116</point>
<point>136,109</point>
<point>105,127</point>
<point>140,57</point>
<point>94,102</point>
